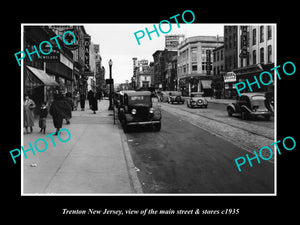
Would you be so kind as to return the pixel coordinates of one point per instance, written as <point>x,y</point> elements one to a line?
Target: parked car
<point>136,108</point>
<point>251,104</point>
<point>164,96</point>
<point>196,99</point>
<point>175,96</point>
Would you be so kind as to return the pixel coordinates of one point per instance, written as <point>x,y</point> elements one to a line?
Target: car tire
<point>230,112</point>
<point>244,115</point>
<point>157,126</point>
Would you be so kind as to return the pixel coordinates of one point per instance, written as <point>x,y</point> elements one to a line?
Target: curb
<point>135,183</point>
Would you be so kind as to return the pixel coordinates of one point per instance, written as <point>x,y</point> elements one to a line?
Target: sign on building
<point>172,41</point>
<point>229,77</point>
<point>244,42</point>
<point>87,41</point>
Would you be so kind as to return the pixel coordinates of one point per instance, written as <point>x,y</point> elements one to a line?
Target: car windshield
<point>139,99</point>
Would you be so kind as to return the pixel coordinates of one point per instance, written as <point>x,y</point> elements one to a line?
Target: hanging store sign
<point>244,42</point>
<point>87,41</point>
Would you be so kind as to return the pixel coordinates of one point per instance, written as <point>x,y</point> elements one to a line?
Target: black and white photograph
<point>158,115</point>
<point>147,111</point>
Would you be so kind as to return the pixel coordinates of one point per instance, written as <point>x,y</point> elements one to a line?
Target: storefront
<point>229,88</point>
<point>195,84</point>
<point>39,85</point>
<point>255,70</point>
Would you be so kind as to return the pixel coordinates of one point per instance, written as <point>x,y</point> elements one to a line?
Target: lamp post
<point>110,107</point>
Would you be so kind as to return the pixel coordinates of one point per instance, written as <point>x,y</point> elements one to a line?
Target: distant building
<point>256,48</point>
<point>160,65</point>
<point>195,63</point>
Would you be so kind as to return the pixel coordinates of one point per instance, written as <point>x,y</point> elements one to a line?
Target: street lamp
<point>110,107</point>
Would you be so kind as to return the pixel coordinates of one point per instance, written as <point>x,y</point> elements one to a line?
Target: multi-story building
<point>143,76</point>
<point>160,64</point>
<point>194,71</point>
<point>218,71</point>
<point>256,48</point>
<point>44,74</point>
<point>230,60</point>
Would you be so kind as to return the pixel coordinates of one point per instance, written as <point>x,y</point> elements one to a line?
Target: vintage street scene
<point>155,117</point>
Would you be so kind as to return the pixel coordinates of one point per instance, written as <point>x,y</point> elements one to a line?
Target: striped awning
<point>42,76</point>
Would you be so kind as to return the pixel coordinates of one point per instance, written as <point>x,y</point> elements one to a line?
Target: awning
<point>206,84</point>
<point>42,76</point>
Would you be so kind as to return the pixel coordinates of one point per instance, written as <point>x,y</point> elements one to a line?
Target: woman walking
<point>94,103</point>
<point>29,105</point>
<point>59,110</point>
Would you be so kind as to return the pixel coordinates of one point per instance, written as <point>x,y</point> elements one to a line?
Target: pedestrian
<point>59,110</point>
<point>29,105</point>
<point>89,97</point>
<point>76,99</point>
<point>94,103</point>
<point>43,114</point>
<point>82,101</point>
<point>68,99</point>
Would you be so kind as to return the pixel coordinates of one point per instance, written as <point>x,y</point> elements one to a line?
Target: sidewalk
<point>96,159</point>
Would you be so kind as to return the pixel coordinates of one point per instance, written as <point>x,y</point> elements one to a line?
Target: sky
<point>118,43</point>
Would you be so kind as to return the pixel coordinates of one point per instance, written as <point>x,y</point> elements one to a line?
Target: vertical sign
<point>244,42</point>
<point>87,40</point>
<point>208,62</point>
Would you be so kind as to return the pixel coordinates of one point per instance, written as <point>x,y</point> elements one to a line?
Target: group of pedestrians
<point>61,108</point>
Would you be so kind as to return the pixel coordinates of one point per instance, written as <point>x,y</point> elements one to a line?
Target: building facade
<point>218,72</point>
<point>256,52</point>
<point>160,67</point>
<point>195,64</point>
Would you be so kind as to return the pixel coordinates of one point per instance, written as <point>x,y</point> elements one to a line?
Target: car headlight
<point>151,110</point>
<point>133,111</point>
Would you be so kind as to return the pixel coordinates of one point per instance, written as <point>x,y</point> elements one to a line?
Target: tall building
<point>256,48</point>
<point>230,60</point>
<point>160,65</point>
<point>195,57</point>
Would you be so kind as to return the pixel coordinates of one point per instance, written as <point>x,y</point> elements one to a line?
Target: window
<point>269,53</point>
<point>269,32</point>
<point>254,56</point>
<point>194,67</point>
<point>222,54</point>
<point>261,52</point>
<point>194,54</point>
<point>254,37</point>
<point>230,41</point>
<point>261,34</point>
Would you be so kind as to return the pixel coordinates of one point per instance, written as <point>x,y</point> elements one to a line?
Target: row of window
<point>230,41</point>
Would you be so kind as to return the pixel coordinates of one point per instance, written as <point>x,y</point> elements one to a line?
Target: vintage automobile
<point>136,108</point>
<point>175,96</point>
<point>251,104</point>
<point>196,99</point>
<point>164,96</point>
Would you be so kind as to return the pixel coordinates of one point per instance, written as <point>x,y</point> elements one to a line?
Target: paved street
<point>195,154</point>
